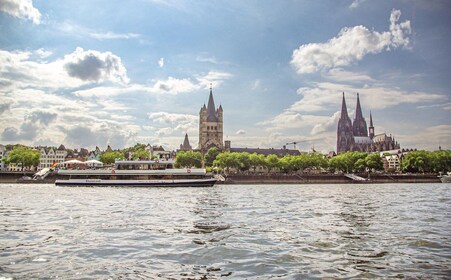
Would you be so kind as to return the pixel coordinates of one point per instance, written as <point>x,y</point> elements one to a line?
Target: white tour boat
<point>143,173</point>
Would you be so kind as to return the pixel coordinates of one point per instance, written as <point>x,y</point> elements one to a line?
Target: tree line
<point>348,162</point>
<point>414,162</point>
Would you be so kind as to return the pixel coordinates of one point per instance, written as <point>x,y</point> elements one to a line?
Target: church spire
<point>344,110</point>
<point>359,125</point>
<point>211,109</point>
<point>186,146</point>
<point>358,109</point>
<point>371,127</point>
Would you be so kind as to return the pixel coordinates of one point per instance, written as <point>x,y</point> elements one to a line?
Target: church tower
<point>345,139</point>
<point>210,126</point>
<point>186,146</point>
<point>359,126</point>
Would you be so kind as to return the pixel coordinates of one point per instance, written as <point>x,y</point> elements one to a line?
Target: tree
<point>210,156</point>
<point>374,162</point>
<point>23,156</point>
<point>256,160</point>
<point>140,154</point>
<point>110,157</point>
<point>188,159</point>
<point>226,160</point>
<point>272,162</point>
<point>417,161</point>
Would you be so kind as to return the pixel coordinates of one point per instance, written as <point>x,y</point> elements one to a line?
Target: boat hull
<point>445,179</point>
<point>136,183</point>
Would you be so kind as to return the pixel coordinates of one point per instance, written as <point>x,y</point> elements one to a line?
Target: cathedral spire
<point>358,109</point>
<point>371,127</point>
<point>344,110</point>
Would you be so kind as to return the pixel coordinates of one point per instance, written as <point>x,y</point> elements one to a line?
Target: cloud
<point>351,44</point>
<point>72,29</point>
<point>215,78</point>
<point>170,85</point>
<point>95,66</point>
<point>103,134</point>
<point>330,125</point>
<point>422,138</point>
<point>41,117</point>
<point>240,132</point>
<point>168,123</point>
<point>356,3</point>
<point>4,106</point>
<point>33,124</point>
<point>111,35</point>
<point>21,9</point>
<point>43,53</point>
<point>161,62</point>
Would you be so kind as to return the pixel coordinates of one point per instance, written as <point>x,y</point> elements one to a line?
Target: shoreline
<point>374,178</point>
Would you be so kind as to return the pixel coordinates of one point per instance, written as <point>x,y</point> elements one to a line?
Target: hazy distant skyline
<point>87,73</point>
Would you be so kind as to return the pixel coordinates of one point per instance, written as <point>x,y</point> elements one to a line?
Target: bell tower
<point>211,125</point>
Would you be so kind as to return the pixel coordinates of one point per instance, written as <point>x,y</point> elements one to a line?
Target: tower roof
<point>344,110</point>
<point>186,145</point>
<point>211,109</point>
<point>358,109</point>
<point>371,120</point>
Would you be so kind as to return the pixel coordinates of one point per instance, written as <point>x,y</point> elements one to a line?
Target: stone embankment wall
<point>330,179</point>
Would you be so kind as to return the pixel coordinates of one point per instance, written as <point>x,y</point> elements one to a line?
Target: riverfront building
<point>356,136</point>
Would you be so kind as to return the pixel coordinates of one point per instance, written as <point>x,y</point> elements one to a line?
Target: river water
<point>226,232</point>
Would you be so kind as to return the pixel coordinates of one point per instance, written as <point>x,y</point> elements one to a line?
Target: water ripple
<point>226,232</point>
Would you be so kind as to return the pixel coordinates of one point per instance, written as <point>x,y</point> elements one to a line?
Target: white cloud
<point>351,44</point>
<point>21,9</point>
<point>168,123</point>
<point>356,3</point>
<point>111,35</point>
<point>240,132</point>
<point>72,29</point>
<point>215,78</point>
<point>422,139</point>
<point>43,53</point>
<point>95,66</point>
<point>161,62</point>
<point>330,125</point>
<point>256,84</point>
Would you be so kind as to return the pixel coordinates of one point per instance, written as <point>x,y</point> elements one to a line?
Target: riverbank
<point>376,178</point>
<point>331,179</point>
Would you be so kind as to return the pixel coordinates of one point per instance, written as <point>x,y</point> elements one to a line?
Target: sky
<point>97,73</point>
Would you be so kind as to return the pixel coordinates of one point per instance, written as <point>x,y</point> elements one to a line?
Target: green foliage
<point>140,154</point>
<point>110,157</point>
<point>256,160</point>
<point>272,162</point>
<point>24,156</point>
<point>188,159</point>
<point>425,161</point>
<point>356,162</point>
<point>211,155</point>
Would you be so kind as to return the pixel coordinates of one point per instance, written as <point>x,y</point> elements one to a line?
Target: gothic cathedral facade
<point>211,133</point>
<point>356,136</point>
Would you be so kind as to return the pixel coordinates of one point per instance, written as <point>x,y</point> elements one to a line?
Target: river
<point>226,232</point>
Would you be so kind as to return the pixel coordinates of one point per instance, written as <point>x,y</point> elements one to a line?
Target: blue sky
<point>87,73</point>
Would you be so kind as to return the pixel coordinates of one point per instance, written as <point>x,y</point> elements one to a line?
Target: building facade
<point>356,136</point>
<point>51,155</point>
<point>211,133</point>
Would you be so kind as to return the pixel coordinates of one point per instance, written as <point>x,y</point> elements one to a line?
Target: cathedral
<point>211,126</point>
<point>356,136</point>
